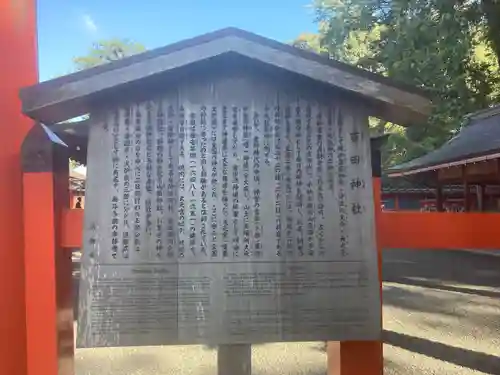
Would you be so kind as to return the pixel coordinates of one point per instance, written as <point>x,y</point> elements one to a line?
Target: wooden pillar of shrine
<point>467,197</point>
<point>18,68</point>
<point>48,279</point>
<point>439,198</point>
<point>481,190</point>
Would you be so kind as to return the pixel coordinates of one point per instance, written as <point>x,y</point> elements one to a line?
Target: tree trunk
<point>491,11</point>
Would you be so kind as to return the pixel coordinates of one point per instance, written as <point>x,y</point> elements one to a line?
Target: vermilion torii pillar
<point>18,68</point>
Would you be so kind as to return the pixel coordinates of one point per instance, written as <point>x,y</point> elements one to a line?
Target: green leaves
<point>106,51</point>
<point>310,42</point>
<point>444,46</point>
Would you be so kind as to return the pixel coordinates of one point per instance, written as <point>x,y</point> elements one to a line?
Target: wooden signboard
<point>232,210</point>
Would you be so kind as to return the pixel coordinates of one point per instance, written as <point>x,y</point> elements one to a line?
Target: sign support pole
<point>366,357</point>
<point>18,68</point>
<point>234,359</point>
<point>363,357</point>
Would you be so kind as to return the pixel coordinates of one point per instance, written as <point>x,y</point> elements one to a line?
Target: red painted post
<point>366,357</point>
<point>18,68</point>
<point>49,305</point>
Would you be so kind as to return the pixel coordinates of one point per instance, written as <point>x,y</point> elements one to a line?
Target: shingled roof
<point>478,140</point>
<point>77,94</point>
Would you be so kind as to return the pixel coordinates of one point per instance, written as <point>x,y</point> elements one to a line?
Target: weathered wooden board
<point>230,210</point>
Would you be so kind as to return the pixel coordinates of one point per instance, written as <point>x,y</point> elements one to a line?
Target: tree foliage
<point>309,42</point>
<point>103,52</point>
<point>106,51</point>
<point>447,47</point>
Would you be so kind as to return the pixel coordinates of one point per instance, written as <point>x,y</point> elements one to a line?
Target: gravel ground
<point>441,313</point>
<point>269,359</point>
<point>441,316</point>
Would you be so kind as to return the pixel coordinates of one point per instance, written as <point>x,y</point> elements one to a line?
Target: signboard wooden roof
<point>75,94</point>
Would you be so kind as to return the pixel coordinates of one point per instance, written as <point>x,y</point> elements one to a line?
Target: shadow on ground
<point>450,300</point>
<point>471,274</point>
<point>486,363</point>
<point>432,268</point>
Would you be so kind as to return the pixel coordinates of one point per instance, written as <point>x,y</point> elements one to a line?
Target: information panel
<point>229,212</point>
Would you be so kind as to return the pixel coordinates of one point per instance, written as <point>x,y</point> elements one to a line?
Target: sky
<point>67,29</point>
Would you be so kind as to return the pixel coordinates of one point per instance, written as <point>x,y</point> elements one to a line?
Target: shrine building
<point>461,175</point>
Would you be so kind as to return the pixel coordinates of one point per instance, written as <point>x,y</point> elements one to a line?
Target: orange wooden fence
<point>439,230</point>
<point>402,229</point>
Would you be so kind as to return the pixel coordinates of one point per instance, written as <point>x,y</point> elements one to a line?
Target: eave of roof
<point>477,141</point>
<point>435,167</point>
<point>70,96</point>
